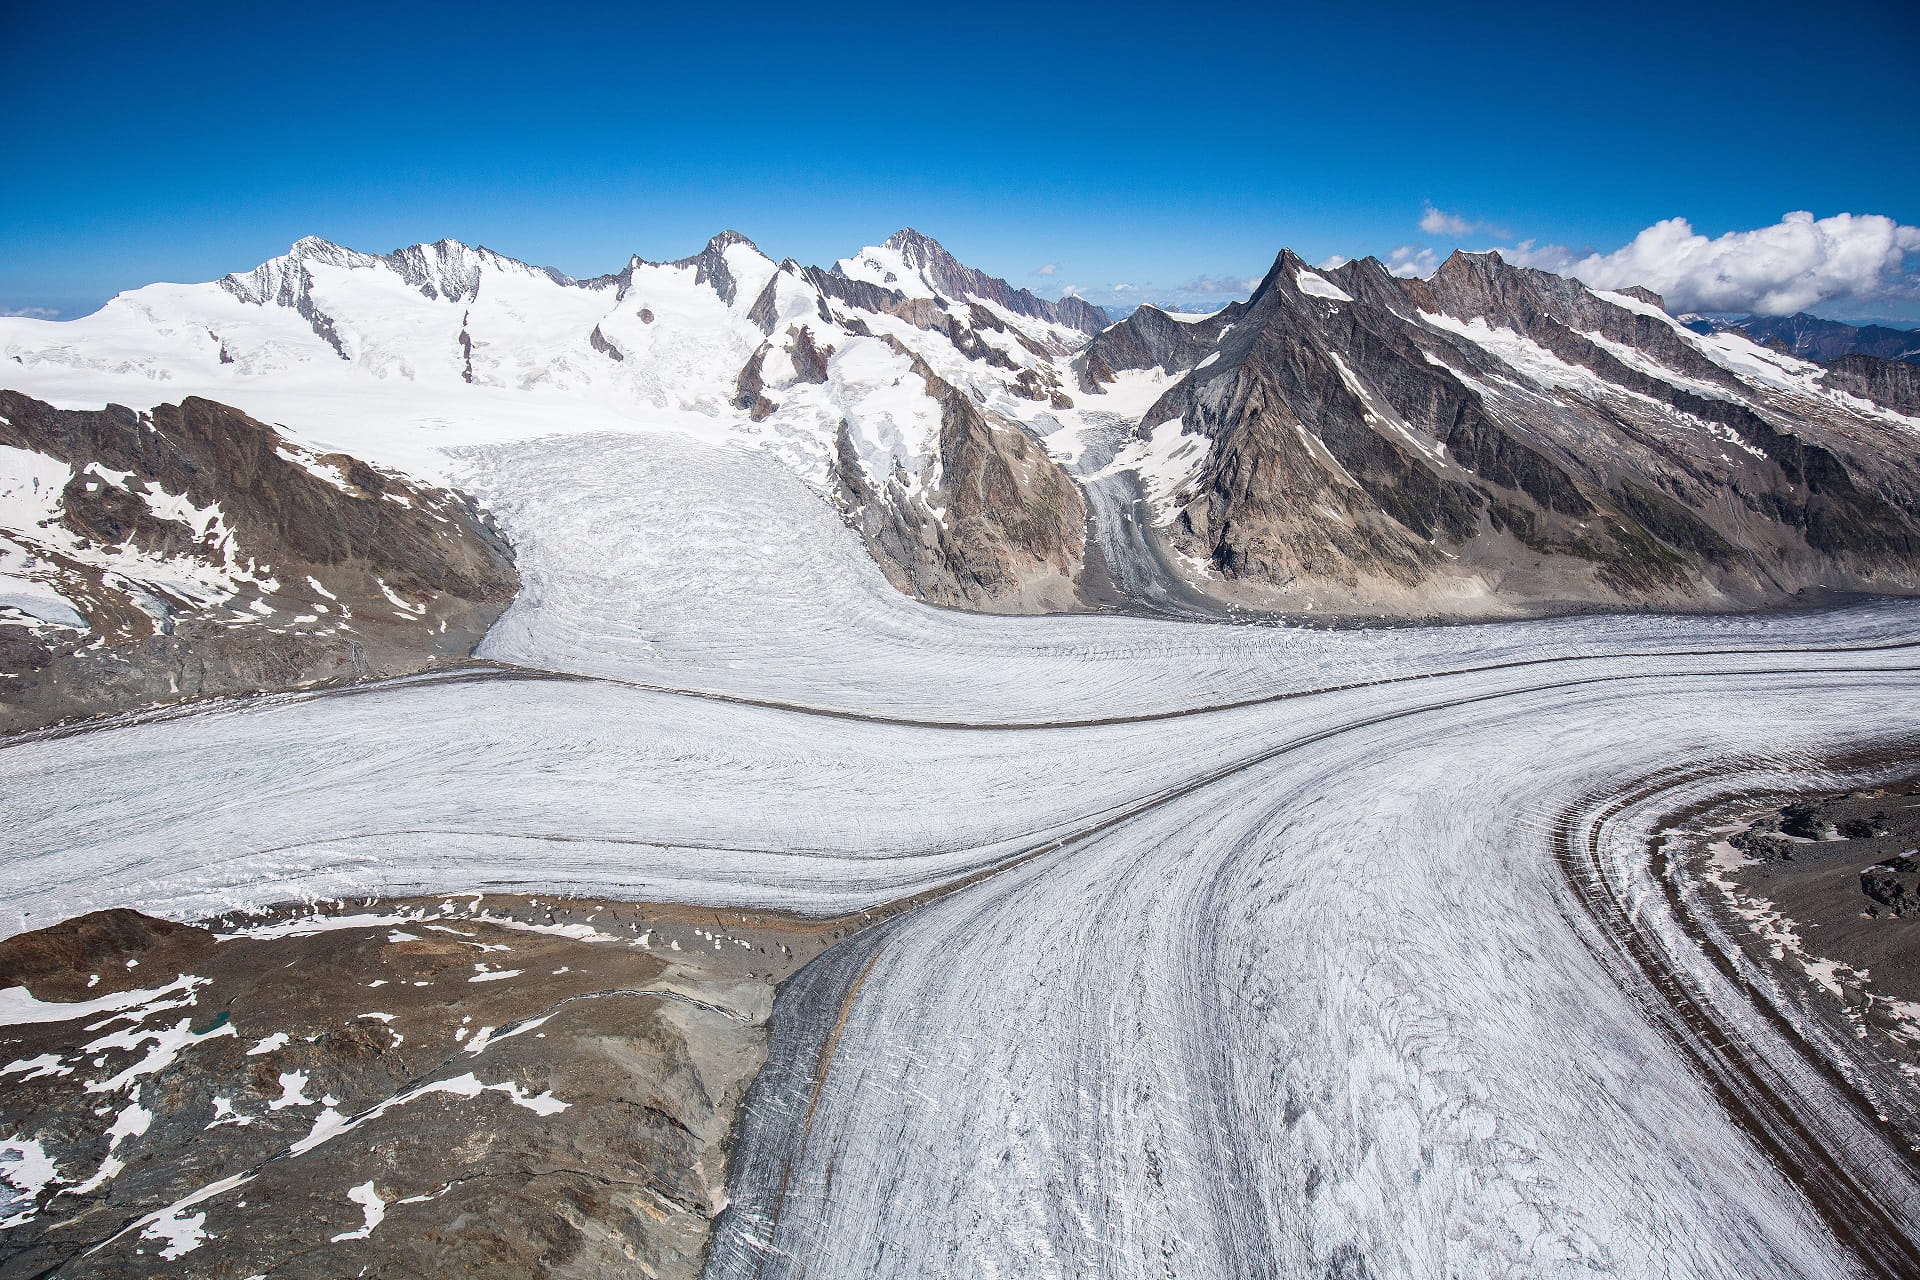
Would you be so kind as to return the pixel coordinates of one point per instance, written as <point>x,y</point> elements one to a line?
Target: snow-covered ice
<point>1253,957</point>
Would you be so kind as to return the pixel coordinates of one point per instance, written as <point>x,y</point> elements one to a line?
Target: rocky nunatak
<point>500,1086</point>
<point>191,550</point>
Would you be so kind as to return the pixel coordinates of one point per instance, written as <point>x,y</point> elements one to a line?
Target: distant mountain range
<point>1495,441</point>
<point>1812,338</point>
<point>1120,311</point>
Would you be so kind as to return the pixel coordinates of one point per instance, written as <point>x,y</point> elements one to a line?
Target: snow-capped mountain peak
<point>921,267</point>
<point>1490,423</point>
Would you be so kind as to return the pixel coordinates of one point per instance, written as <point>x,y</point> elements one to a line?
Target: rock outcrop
<point>907,253</point>
<point>1494,441</point>
<point>1000,526</point>
<point>482,1087</point>
<point>1153,339</point>
<point>191,550</point>
<point>1894,384</point>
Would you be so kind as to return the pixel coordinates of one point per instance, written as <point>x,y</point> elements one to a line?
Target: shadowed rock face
<point>202,552</point>
<point>1012,535</point>
<point>1502,441</point>
<point>1893,383</point>
<point>1495,441</point>
<point>1150,338</point>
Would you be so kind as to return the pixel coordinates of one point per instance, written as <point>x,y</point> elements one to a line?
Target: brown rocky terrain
<point>1498,440</point>
<point>1013,534</point>
<point>1809,898</point>
<point>196,551</point>
<point>474,1086</point>
<point>1845,868</point>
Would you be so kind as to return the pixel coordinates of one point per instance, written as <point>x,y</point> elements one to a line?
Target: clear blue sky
<point>1150,144</point>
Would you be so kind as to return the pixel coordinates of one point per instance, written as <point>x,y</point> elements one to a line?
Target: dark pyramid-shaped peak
<point>1282,277</point>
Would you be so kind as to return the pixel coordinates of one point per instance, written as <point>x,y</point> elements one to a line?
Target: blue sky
<point>1149,145</point>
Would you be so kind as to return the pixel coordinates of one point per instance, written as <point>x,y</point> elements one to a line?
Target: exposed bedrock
<point>191,551</point>
<point>1893,383</point>
<point>1504,441</point>
<point>474,1086</point>
<point>1003,531</point>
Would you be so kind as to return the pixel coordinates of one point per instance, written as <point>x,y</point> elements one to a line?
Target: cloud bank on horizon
<point>1849,261</point>
<point>1798,263</point>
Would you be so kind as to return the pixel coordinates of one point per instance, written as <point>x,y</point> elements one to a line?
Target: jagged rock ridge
<point>1502,440</point>
<point>854,380</point>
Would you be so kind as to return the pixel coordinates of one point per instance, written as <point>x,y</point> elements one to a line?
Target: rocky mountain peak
<point>1645,295</point>
<point>712,265</point>
<point>1462,266</point>
<point>920,250</point>
<point>315,247</point>
<point>1486,286</point>
<point>1369,281</point>
<point>921,266</point>
<point>727,239</point>
<point>283,280</point>
<point>462,265</point>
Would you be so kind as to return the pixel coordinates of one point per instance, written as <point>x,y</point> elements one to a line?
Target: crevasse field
<point>1263,955</point>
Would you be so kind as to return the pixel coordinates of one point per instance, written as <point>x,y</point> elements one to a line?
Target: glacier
<point>1245,949</point>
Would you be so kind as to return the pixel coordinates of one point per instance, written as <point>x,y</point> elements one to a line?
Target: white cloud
<point>1122,287</point>
<point>1437,223</point>
<point>1046,269</point>
<point>1069,290</point>
<point>1413,260</point>
<point>28,313</point>
<point>1335,262</point>
<point>1797,263</point>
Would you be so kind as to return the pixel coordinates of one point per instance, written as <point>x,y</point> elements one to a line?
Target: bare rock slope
<point>407,1088</point>
<point>1499,440</point>
<point>1494,441</point>
<point>191,550</point>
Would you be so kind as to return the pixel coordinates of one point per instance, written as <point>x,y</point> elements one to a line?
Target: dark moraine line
<point>482,671</point>
<point>1853,1169</point>
<point>775,1121</point>
<point>1137,562</point>
<point>811,1006</point>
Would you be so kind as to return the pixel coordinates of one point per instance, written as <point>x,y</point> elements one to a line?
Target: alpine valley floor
<point>1234,950</point>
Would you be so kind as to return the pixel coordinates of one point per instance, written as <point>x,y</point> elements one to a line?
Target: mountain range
<point>1812,338</point>
<point>1494,441</point>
